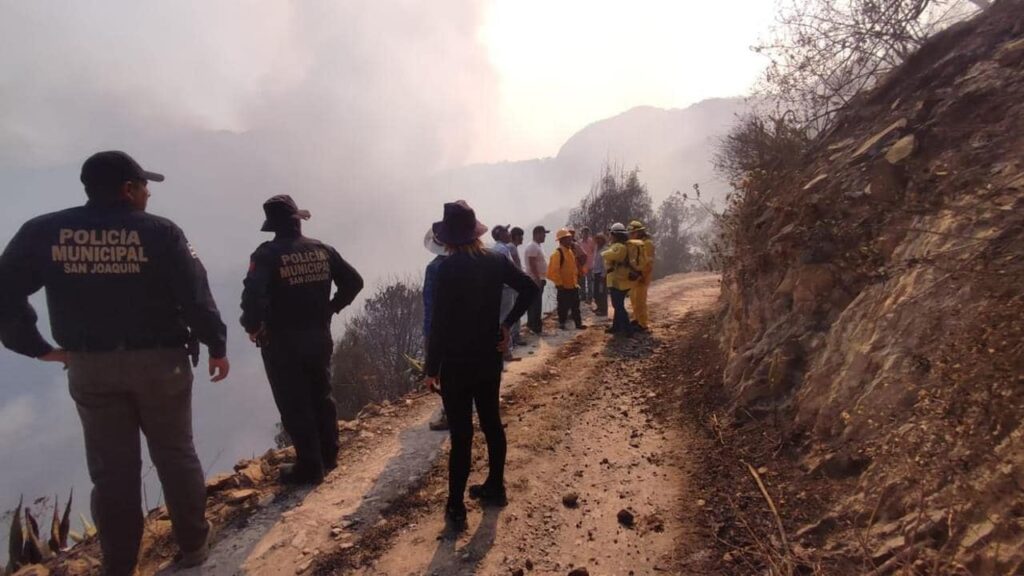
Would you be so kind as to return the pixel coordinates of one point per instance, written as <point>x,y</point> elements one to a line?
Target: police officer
<point>126,294</point>
<point>286,309</point>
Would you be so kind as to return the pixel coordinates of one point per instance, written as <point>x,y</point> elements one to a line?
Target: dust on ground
<point>606,471</point>
<point>599,478</point>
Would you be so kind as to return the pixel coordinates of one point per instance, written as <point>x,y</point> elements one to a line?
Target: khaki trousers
<point>118,394</point>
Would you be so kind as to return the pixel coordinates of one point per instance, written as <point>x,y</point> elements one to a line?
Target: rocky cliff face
<point>875,305</point>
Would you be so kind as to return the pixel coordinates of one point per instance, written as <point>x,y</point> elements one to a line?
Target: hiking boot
<point>561,325</point>
<point>441,423</point>
<point>636,326</point>
<point>455,516</point>
<point>612,330</point>
<point>581,327</point>
<point>198,556</point>
<point>299,476</point>
<point>330,462</point>
<point>488,496</point>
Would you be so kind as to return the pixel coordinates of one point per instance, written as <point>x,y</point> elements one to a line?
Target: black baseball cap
<point>498,230</point>
<point>541,229</point>
<point>516,231</point>
<point>113,167</point>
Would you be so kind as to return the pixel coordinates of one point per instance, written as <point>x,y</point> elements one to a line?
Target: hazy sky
<point>561,64</point>
<point>541,69</point>
<point>348,106</point>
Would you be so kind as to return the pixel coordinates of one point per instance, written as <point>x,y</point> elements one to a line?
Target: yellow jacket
<point>617,269</point>
<point>562,268</point>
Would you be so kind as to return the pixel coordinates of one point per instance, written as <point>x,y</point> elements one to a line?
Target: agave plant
<point>33,551</point>
<point>417,369</point>
<point>60,527</point>
<point>25,545</point>
<point>16,540</point>
<point>65,522</point>
<point>88,531</point>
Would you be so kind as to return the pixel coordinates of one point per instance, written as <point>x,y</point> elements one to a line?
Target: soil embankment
<point>873,311</point>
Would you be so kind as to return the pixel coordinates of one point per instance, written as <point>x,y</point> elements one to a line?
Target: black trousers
<point>462,385</point>
<point>569,304</point>
<point>535,313</point>
<point>298,367</point>
<point>620,323</point>
<point>600,295</point>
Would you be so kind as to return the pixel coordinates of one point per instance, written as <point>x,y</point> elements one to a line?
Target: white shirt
<point>536,261</point>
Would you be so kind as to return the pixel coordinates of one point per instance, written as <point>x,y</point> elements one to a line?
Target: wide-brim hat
<point>279,210</point>
<point>459,225</point>
<point>432,245</point>
<point>637,226</point>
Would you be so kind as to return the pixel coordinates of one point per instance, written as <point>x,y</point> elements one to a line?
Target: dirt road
<point>598,477</point>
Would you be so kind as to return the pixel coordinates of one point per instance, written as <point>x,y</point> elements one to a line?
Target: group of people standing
<point>474,298</point>
<point>129,303</point>
<point>586,270</point>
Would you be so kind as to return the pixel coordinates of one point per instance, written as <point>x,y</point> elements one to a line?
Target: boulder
<point>220,483</point>
<point>237,496</point>
<point>252,475</point>
<point>626,518</point>
<point>571,500</point>
<point>902,149</point>
<point>873,142</point>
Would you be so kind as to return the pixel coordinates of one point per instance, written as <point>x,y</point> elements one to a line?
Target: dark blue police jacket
<point>115,278</point>
<point>288,287</point>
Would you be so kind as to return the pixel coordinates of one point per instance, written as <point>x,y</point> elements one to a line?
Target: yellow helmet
<point>562,233</point>
<point>637,226</point>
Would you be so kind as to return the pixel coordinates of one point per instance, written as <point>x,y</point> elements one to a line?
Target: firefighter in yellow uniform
<point>563,271</point>
<point>620,278</point>
<point>643,247</point>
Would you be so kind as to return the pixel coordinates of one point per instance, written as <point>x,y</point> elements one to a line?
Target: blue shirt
<point>597,266</point>
<point>429,289</point>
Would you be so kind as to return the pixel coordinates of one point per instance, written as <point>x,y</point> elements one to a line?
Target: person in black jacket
<point>287,309</point>
<point>126,294</point>
<point>464,350</point>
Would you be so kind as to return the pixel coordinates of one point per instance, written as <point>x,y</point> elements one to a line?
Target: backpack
<point>636,258</point>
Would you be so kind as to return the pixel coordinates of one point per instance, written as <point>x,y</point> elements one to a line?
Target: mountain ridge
<point>672,147</point>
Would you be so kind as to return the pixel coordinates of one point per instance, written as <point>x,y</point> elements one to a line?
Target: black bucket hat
<point>113,168</point>
<point>281,209</point>
<point>459,225</point>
